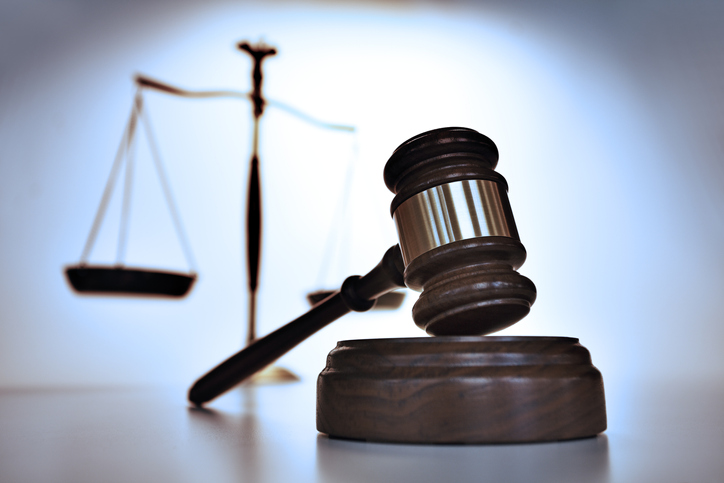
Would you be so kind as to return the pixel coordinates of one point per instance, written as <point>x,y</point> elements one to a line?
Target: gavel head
<point>458,238</point>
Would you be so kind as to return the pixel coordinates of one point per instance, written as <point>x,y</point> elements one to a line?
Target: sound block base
<point>461,390</point>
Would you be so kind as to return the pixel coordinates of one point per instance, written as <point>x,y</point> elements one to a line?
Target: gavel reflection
<point>460,247</point>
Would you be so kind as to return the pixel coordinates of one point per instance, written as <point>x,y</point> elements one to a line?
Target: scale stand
<point>258,52</point>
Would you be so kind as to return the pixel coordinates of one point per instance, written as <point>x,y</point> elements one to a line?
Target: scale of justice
<point>459,247</point>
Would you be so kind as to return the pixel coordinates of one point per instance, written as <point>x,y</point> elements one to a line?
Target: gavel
<point>459,246</point>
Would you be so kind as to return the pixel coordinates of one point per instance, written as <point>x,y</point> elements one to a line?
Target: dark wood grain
<point>388,301</point>
<point>471,286</point>
<point>440,156</point>
<point>461,390</point>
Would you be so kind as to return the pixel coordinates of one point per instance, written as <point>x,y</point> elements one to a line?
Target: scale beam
<point>144,81</point>
<point>147,82</point>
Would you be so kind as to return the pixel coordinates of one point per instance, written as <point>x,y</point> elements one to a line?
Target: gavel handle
<point>357,293</point>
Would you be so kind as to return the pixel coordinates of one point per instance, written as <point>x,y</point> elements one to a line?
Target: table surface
<point>658,432</point>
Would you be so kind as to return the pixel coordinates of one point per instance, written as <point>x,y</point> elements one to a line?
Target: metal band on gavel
<point>453,212</point>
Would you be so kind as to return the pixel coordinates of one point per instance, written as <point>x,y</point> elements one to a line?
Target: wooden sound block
<point>461,390</point>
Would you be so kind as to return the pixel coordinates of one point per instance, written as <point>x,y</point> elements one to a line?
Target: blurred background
<point>609,119</point>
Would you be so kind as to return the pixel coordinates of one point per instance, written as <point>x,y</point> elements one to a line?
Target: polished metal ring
<point>452,212</point>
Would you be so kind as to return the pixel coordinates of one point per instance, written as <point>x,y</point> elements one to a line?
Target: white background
<point>608,117</point>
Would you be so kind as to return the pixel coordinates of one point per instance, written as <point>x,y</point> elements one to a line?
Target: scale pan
<point>389,301</point>
<point>109,280</point>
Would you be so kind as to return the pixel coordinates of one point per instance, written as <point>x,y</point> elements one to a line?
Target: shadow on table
<point>253,435</point>
<point>350,461</point>
<point>227,443</point>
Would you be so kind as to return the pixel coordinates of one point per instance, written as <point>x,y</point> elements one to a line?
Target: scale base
<point>272,375</point>
<point>461,390</point>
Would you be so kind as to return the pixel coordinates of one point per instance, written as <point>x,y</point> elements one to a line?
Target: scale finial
<point>258,52</point>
